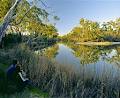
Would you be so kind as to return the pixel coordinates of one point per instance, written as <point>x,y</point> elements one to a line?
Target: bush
<point>11,39</point>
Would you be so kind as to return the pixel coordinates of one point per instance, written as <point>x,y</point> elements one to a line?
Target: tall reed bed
<point>62,81</point>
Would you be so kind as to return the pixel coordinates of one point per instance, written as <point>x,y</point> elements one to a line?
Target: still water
<point>90,60</point>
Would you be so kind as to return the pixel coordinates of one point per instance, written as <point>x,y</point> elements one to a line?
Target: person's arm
<point>23,78</point>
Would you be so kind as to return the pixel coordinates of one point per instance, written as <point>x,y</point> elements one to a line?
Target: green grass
<point>9,91</point>
<point>27,93</point>
<point>38,92</point>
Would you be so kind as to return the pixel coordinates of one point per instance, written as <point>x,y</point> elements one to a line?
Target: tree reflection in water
<point>92,54</point>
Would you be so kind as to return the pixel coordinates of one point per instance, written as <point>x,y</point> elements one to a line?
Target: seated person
<point>15,73</point>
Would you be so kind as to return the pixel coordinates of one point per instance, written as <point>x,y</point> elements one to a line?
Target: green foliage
<point>41,29</point>
<point>12,38</point>
<point>33,20</point>
<point>4,7</point>
<point>93,31</point>
<point>28,18</point>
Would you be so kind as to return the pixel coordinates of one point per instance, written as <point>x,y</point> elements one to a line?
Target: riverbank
<point>27,92</point>
<point>9,90</point>
<point>98,43</point>
<point>60,80</point>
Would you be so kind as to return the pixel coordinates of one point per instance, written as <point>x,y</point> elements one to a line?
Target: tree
<point>93,31</point>
<point>7,19</point>
<point>14,17</point>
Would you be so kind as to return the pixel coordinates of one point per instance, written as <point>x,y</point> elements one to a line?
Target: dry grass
<point>62,81</point>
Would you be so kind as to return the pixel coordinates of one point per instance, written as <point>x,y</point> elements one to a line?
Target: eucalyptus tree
<point>20,12</point>
<point>8,17</point>
<point>86,31</point>
<point>92,31</point>
<point>117,25</point>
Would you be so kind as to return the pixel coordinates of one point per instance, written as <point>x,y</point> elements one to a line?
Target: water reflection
<point>95,54</point>
<point>49,52</point>
<point>94,60</point>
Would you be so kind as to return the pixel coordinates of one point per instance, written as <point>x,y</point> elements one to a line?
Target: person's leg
<point>27,82</point>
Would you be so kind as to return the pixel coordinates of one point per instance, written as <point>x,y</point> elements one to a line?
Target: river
<point>96,61</point>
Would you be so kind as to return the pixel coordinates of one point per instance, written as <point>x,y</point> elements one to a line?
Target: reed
<point>62,81</point>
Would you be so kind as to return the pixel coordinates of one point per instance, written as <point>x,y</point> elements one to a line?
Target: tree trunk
<point>7,19</point>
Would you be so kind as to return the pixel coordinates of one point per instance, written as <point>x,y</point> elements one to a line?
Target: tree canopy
<point>93,31</point>
<point>25,17</point>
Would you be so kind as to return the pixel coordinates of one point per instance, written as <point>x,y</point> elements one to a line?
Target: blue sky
<point>70,11</point>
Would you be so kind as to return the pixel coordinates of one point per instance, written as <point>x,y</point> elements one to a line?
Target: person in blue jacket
<point>11,69</point>
<point>15,73</point>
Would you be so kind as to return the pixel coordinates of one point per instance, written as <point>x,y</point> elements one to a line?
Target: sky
<point>70,12</point>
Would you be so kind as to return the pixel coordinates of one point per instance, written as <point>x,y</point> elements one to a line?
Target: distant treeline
<point>93,31</point>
